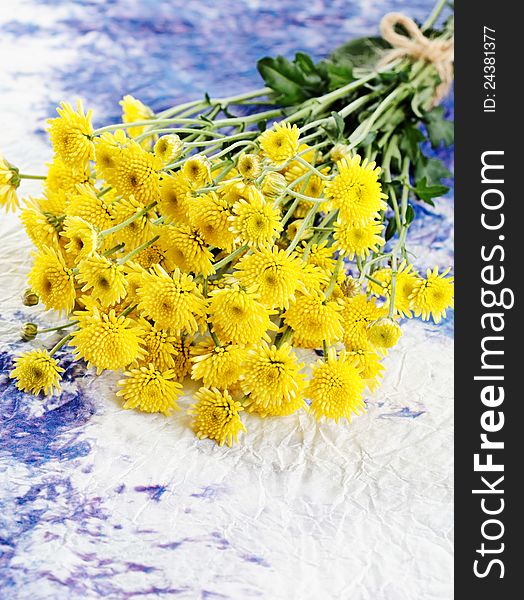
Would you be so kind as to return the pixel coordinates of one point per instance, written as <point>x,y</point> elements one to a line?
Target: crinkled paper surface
<point>98,502</point>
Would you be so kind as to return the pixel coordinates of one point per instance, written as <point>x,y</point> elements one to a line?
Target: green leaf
<point>426,192</point>
<point>410,214</point>
<point>362,52</point>
<point>410,140</point>
<point>432,169</point>
<point>335,127</point>
<point>439,128</point>
<point>293,82</point>
<point>391,228</point>
<point>339,74</point>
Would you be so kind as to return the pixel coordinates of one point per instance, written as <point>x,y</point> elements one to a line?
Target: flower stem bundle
<point>212,240</point>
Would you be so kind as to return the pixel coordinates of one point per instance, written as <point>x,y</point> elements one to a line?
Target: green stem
<point>113,249</point>
<point>59,345</point>
<point>230,257</point>
<point>27,176</point>
<point>334,276</point>
<point>128,221</point>
<point>128,310</point>
<point>57,328</point>
<point>435,13</point>
<point>136,251</point>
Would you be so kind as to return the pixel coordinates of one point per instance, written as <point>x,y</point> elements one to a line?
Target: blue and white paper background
<point>98,502</point>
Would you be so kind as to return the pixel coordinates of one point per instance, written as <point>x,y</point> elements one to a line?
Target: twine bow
<point>439,53</point>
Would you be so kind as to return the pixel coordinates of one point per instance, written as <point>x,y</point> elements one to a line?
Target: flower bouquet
<point>210,241</point>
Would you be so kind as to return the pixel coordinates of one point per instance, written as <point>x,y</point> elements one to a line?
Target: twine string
<point>440,53</point>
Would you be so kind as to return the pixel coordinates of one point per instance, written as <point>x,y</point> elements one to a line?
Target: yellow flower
<point>168,148</point>
<point>216,416</point>
<point>139,230</point>
<point>255,222</point>
<point>82,238</point>
<point>432,296</point>
<point>335,388</point>
<point>314,320</point>
<point>108,148</point>
<point>210,215</point>
<point>217,366</point>
<point>384,333</point>
<point>321,256</point>
<point>52,280</point>
<point>107,341</point>
<point>37,371</point>
<point>248,166</point>
<point>294,227</point>
<point>358,240</point>
<point>280,143</point>
<point>156,254</point>
<point>87,205</point>
<point>135,173</point>
<point>313,279</point>
<point>172,302</point>
<point>272,380</point>
<point>406,281</point>
<point>174,197</point>
<point>9,182</point>
<point>274,184</point>
<point>187,249</point>
<point>273,274</point>
<point>369,366</point>
<point>62,178</point>
<point>133,110</point>
<point>356,191</point>
<point>71,136</point>
<point>197,170</point>
<point>238,316</point>
<point>150,390</point>
<point>38,227</point>
<point>357,314</point>
<point>159,346</point>
<point>106,278</point>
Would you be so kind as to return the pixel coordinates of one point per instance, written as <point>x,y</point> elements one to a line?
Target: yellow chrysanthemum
<point>183,347</point>
<point>369,366</point>
<point>314,320</point>
<point>215,416</point>
<point>168,148</point>
<point>71,136</point>
<point>107,341</point>
<point>335,388</point>
<point>82,238</point>
<point>132,111</point>
<point>237,315</point>
<point>274,185</point>
<point>358,313</point>
<point>173,302</point>
<point>104,277</point>
<point>159,346</point>
<point>432,296</point>
<point>273,381</point>
<point>61,177</point>
<point>150,390</point>
<point>139,230</point>
<point>156,254</point>
<point>9,182</point>
<point>313,279</point>
<point>37,371</point>
<point>248,166</point>
<point>217,366</point>
<point>254,221</point>
<point>356,191</point>
<point>38,227</point>
<point>174,197</point>
<point>358,240</point>
<point>320,256</point>
<point>52,280</point>
<point>273,274</point>
<point>280,143</point>
<point>187,249</point>
<point>406,281</point>
<point>210,215</point>
<point>87,205</point>
<point>135,173</point>
<point>108,148</point>
<point>197,170</point>
<point>384,333</point>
